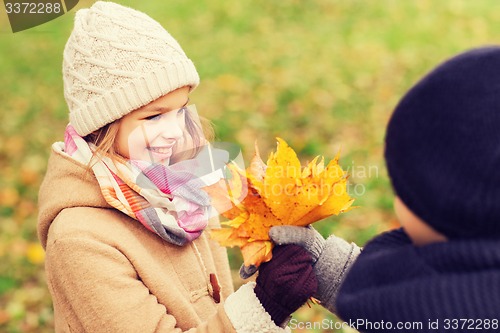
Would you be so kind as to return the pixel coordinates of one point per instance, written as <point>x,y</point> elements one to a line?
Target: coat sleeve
<point>388,240</point>
<point>96,289</point>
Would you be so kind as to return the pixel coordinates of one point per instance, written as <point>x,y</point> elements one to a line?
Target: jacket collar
<point>67,184</point>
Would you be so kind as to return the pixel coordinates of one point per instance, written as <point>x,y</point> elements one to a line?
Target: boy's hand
<point>332,257</point>
<point>306,237</point>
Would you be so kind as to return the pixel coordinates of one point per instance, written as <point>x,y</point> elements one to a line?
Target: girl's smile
<point>161,153</point>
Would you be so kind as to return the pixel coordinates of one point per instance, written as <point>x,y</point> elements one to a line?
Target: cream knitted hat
<point>116,60</point>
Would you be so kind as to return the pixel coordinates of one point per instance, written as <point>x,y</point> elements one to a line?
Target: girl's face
<point>151,132</point>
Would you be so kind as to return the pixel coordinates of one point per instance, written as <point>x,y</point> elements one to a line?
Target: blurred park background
<point>322,74</point>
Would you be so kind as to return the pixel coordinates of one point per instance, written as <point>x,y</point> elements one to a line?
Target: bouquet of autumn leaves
<point>279,192</point>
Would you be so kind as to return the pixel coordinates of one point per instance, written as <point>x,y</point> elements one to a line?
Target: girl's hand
<point>286,282</point>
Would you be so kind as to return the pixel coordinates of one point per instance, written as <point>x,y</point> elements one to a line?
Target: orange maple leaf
<point>279,192</point>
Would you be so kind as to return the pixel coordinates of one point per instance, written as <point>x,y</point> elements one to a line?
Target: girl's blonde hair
<point>104,140</point>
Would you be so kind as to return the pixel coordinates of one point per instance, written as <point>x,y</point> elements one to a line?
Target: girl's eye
<point>158,116</point>
<point>154,117</point>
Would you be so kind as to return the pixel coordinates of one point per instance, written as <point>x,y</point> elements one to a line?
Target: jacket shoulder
<point>91,223</point>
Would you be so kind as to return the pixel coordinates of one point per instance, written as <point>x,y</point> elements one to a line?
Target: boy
<point>441,271</point>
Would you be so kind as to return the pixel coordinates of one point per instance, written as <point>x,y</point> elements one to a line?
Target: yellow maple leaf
<point>279,192</point>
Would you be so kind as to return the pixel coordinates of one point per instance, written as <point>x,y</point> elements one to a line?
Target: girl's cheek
<point>182,145</point>
<point>137,142</point>
<point>183,149</point>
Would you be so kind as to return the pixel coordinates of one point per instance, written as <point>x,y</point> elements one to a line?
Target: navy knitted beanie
<point>443,146</point>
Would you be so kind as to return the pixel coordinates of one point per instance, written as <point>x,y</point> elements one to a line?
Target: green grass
<point>321,74</point>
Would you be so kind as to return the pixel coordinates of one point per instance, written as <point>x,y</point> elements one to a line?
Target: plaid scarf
<point>167,200</point>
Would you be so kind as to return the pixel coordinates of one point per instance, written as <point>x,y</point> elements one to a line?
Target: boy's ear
<point>420,232</point>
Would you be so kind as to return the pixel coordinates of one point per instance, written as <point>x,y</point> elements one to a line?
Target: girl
<point>122,217</point>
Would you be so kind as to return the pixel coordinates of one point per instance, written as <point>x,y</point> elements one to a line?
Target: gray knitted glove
<point>333,258</point>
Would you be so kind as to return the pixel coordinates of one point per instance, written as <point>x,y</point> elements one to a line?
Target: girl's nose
<point>172,128</point>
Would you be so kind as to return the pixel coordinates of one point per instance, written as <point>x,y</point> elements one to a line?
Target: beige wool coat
<point>108,273</point>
